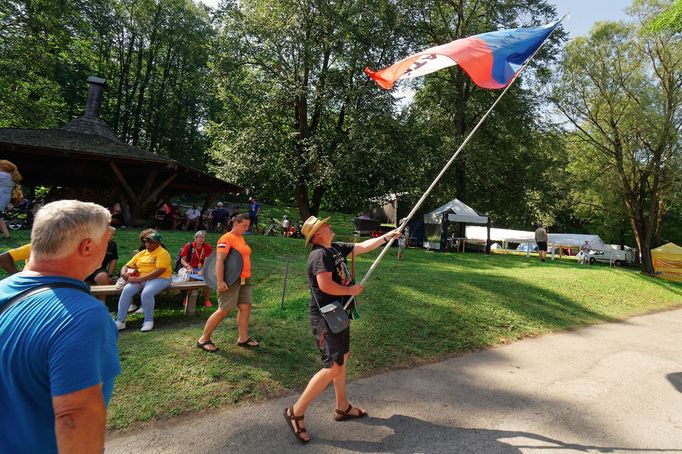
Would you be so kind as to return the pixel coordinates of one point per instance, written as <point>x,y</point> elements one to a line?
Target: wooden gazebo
<point>87,153</point>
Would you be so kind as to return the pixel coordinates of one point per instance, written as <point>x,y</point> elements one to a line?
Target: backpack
<point>178,256</point>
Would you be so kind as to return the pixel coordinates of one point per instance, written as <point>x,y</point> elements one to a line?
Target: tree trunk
<point>301,196</point>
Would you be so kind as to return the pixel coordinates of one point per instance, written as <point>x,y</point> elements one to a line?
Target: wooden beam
<point>124,184</point>
<point>160,188</point>
<point>151,179</point>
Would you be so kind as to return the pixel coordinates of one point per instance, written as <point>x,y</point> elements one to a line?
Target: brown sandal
<point>292,420</point>
<point>342,415</point>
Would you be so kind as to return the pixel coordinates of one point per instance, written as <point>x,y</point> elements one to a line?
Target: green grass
<point>425,308</point>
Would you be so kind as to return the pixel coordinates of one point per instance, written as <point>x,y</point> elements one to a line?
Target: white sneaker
<point>120,325</point>
<point>147,326</point>
<point>139,311</point>
<point>133,308</point>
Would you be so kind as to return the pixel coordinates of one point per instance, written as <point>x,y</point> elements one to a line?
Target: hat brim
<point>315,229</point>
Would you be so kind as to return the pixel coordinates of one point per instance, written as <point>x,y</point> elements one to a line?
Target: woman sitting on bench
<point>148,272</point>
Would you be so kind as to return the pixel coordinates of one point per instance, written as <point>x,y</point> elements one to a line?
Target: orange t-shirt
<point>230,240</point>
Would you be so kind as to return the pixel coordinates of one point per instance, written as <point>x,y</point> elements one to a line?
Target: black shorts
<point>91,278</point>
<point>542,246</point>
<point>333,347</point>
<point>253,220</point>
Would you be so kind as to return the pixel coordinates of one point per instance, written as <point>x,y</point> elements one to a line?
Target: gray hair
<point>59,226</point>
<point>200,233</point>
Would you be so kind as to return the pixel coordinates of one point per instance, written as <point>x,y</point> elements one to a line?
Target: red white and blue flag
<point>490,59</point>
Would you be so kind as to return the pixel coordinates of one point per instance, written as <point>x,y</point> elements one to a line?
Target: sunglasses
<point>148,240</point>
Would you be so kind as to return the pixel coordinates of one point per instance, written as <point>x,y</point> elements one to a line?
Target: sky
<point>583,13</point>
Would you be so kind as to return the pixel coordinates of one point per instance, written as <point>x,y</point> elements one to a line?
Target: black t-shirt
<point>112,254</point>
<point>220,214</point>
<point>331,259</point>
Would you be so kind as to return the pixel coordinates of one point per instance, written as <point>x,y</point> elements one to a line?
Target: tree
<point>670,19</point>
<point>622,92</point>
<point>299,115</point>
<point>515,149</point>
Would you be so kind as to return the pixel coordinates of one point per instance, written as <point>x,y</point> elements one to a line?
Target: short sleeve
<point>114,251</point>
<point>224,245</point>
<point>163,260</point>
<point>136,257</point>
<point>84,353</point>
<point>345,248</point>
<point>208,248</point>
<point>320,262</point>
<point>185,250</point>
<point>20,253</point>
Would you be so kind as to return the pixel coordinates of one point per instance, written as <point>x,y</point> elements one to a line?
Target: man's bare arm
<point>79,421</point>
<point>7,263</point>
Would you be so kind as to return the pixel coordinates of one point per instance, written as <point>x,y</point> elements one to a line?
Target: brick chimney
<point>94,101</point>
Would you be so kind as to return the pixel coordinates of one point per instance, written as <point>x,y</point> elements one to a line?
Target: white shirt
<point>193,213</point>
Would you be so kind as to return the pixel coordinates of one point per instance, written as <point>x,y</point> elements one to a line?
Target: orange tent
<point>668,262</point>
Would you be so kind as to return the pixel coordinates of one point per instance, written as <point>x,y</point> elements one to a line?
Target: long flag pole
<point>447,166</point>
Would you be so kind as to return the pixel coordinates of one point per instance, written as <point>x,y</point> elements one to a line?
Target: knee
<point>102,279</point>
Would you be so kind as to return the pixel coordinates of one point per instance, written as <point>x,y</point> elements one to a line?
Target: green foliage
<point>510,167</point>
<point>461,302</point>
<point>299,116</point>
<point>154,55</point>
<point>622,91</point>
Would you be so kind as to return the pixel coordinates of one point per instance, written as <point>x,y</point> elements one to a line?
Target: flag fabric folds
<point>490,59</point>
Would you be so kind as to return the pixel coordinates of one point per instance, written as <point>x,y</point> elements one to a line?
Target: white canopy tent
<point>453,211</point>
<point>505,236</point>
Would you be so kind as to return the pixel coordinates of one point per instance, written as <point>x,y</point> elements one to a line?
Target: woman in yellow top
<point>149,272</point>
<point>239,294</point>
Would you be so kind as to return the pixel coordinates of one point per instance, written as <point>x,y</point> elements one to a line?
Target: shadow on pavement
<point>412,435</point>
<point>676,380</point>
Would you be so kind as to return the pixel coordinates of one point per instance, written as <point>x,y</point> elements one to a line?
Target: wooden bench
<point>192,287</point>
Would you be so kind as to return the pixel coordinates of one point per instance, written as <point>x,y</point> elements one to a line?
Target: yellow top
<point>20,253</point>
<point>146,262</point>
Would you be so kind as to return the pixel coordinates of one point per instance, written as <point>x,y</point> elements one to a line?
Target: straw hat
<point>310,226</point>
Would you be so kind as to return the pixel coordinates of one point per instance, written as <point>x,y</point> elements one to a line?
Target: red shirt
<point>198,254</point>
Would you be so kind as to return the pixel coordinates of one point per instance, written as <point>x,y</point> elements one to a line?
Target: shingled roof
<point>87,153</point>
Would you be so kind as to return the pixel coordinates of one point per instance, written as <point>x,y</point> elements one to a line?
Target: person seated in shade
<point>103,275</point>
<point>195,263</point>
<point>192,218</point>
<point>148,272</point>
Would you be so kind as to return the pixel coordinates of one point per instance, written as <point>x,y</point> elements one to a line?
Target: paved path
<point>615,387</point>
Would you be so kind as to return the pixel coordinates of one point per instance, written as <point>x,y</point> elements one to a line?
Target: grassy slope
<point>425,308</point>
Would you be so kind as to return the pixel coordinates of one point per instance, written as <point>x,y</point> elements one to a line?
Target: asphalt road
<point>615,387</point>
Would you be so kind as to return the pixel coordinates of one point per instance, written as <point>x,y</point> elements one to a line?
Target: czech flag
<point>490,59</point>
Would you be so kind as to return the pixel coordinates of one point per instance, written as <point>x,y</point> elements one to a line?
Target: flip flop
<point>202,345</point>
<point>248,343</point>
<point>343,415</point>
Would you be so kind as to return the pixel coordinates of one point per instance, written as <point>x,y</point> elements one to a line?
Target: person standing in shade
<point>10,189</point>
<point>238,295</point>
<point>148,272</point>
<point>585,252</point>
<point>330,280</point>
<point>58,344</point>
<point>541,241</point>
<point>254,211</point>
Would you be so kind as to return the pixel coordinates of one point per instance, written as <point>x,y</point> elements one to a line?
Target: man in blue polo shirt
<point>58,344</point>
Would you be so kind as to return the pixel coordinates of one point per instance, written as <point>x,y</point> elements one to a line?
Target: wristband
<point>385,240</point>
